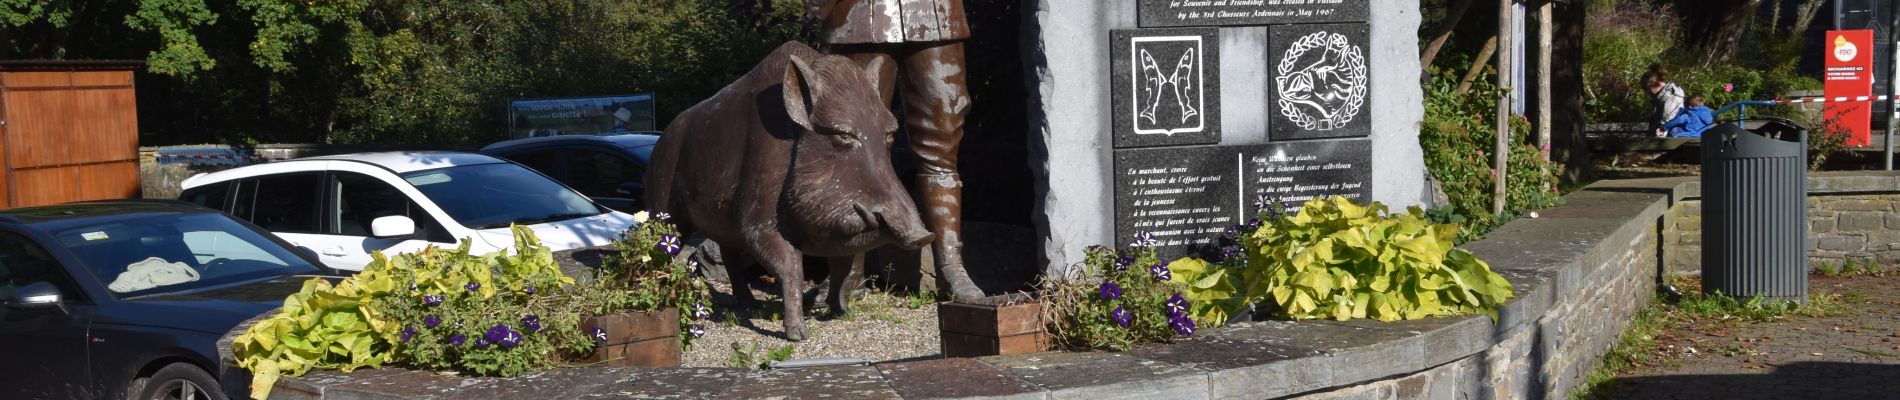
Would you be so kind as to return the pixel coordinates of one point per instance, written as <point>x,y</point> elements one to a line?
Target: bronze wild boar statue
<point>793,159</point>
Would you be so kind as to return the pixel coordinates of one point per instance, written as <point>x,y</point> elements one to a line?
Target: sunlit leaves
<point>1338,260</point>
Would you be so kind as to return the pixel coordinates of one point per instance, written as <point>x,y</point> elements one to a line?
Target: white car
<point>344,207</point>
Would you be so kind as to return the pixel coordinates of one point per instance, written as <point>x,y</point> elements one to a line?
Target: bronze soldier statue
<point>925,37</point>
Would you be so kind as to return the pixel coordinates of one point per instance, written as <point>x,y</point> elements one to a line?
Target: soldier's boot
<point>942,209</point>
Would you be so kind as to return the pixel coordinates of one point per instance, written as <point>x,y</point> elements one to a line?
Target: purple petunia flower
<point>697,330</point>
<point>1182,325</point>
<point>431,321</point>
<point>457,339</point>
<point>513,339</point>
<point>531,323</point>
<point>1109,291</point>
<point>701,311</point>
<point>1122,263</point>
<point>481,343</point>
<point>1121,316</point>
<point>670,244</point>
<point>1145,239</point>
<point>530,289</point>
<point>1161,272</point>
<point>433,299</point>
<point>1177,306</point>
<point>472,286</point>
<point>1233,231</point>
<point>600,334</point>
<point>408,332</point>
<point>497,332</point>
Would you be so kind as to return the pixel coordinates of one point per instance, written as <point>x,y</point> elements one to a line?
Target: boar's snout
<point>907,230</point>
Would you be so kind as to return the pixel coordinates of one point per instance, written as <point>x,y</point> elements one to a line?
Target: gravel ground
<point>880,327</point>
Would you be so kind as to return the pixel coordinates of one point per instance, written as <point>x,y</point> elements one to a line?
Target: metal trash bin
<point>1754,211</point>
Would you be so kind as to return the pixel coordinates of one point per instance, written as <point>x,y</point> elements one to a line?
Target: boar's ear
<point>882,73</point>
<point>798,92</point>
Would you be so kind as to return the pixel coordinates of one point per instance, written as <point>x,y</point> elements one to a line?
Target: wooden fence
<point>68,132</point>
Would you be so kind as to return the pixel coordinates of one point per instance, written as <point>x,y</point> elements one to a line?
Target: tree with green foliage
<point>395,71</point>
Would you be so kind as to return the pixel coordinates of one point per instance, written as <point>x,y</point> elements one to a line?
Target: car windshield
<point>488,196</point>
<point>177,253</point>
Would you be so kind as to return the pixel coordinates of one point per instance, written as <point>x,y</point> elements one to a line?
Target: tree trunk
<point>1477,64</point>
<point>1774,15</point>
<point>1443,33</point>
<point>1544,39</point>
<point>1506,70</point>
<point>1805,15</point>
<point>1714,27</point>
<point>1568,146</point>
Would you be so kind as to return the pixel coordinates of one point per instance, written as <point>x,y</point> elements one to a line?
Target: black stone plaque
<point>1166,86</point>
<point>1320,79</point>
<point>1286,175</point>
<point>1187,196</point>
<point>1164,13</point>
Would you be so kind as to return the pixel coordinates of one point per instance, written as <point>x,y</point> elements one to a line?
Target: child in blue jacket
<point>1691,120</point>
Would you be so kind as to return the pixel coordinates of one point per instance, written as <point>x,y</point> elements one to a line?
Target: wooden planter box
<point>637,339</point>
<point>996,325</point>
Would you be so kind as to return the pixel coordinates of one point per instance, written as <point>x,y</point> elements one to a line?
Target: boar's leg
<point>785,262</point>
<point>737,262</point>
<point>846,274</point>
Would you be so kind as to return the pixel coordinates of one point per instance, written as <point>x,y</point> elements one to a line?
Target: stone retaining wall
<point>1580,272</point>
<point>1851,216</point>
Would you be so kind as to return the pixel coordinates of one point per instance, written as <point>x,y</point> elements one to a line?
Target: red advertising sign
<point>1850,74</point>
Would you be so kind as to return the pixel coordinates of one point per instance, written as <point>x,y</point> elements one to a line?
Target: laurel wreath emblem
<point>1351,67</point>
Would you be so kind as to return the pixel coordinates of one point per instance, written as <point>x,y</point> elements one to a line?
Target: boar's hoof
<point>795,333</point>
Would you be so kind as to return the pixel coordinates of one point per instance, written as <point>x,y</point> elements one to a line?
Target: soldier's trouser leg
<point>936,99</point>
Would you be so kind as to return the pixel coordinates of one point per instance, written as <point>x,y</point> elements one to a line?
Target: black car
<point>608,168</point>
<point>128,298</point>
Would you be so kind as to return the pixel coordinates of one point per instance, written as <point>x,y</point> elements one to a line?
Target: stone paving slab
<point>846,382</point>
<point>669,383</point>
<point>1237,362</point>
<point>564,383</point>
<point>1098,375</point>
<point>952,378</point>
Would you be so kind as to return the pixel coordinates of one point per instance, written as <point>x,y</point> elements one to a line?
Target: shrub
<point>1338,260</point>
<point>1621,43</point>
<point>1114,300</point>
<point>443,309</point>
<point>487,315</point>
<point>1458,136</point>
<point>448,310</point>
<point>644,276</point>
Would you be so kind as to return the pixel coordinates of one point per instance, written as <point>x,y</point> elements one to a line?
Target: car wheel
<point>180,381</point>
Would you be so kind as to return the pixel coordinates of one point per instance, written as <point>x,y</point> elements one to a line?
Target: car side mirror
<point>36,295</point>
<point>392,226</point>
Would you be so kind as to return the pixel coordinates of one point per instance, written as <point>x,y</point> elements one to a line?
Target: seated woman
<point>1691,120</point>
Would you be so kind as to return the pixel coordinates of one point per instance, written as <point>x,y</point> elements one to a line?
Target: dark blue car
<point>610,168</point>
<point>127,299</point>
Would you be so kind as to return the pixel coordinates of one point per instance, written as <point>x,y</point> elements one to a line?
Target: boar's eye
<point>848,140</point>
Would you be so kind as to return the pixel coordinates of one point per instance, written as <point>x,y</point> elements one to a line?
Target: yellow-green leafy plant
<point>500,314</point>
<point>1338,260</point>
<point>1209,288</point>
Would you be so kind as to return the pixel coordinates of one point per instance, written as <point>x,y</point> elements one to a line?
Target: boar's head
<point>843,197</point>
